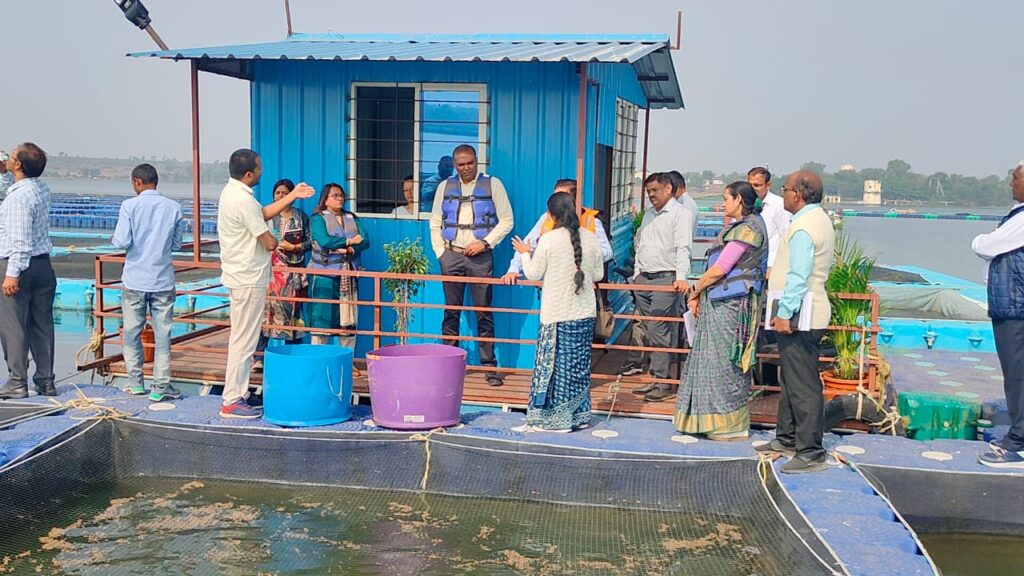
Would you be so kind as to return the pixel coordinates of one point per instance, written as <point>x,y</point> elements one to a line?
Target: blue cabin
<point>366,111</point>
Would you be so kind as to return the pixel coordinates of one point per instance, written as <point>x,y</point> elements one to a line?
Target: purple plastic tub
<point>416,386</point>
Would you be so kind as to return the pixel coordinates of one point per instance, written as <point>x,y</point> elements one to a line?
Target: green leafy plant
<point>850,274</point>
<point>405,257</point>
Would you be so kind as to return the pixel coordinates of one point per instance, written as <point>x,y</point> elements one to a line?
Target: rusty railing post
<point>376,312</point>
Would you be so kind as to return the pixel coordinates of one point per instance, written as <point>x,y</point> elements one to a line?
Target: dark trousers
<point>658,333</point>
<point>802,403</point>
<point>26,324</point>
<point>479,266</point>
<point>1010,348</point>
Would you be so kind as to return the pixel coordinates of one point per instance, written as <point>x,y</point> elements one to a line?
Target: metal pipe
<point>647,133</point>
<point>197,229</point>
<point>679,30</point>
<point>156,38</point>
<point>288,16</point>
<point>581,136</point>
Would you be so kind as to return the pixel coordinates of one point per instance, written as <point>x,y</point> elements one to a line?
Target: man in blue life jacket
<point>471,216</point>
<point>1003,253</point>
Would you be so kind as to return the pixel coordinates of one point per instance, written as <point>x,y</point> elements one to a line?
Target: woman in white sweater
<point>568,260</point>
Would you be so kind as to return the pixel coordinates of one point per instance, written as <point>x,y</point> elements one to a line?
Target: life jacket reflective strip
<point>588,221</point>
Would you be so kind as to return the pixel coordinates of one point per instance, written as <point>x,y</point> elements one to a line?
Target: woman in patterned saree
<point>726,303</point>
<point>568,260</point>
<point>291,227</point>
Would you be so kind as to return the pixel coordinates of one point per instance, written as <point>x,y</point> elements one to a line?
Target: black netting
<point>10,413</point>
<point>141,498</point>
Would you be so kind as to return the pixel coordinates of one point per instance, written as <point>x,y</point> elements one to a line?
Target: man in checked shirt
<point>26,305</point>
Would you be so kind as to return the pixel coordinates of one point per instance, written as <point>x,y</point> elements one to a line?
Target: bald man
<point>801,266</point>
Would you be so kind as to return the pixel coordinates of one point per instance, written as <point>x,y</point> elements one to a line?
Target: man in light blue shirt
<point>149,229</point>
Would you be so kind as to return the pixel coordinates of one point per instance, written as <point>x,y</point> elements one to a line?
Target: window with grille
<point>623,158</point>
<point>404,130</point>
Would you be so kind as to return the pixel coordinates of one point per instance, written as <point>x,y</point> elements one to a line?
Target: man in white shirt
<point>1003,253</point>
<point>589,221</point>
<point>776,219</point>
<point>245,247</point>
<point>472,215</point>
<point>663,248</point>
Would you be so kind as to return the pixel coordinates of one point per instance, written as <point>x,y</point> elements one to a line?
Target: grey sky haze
<point>935,83</point>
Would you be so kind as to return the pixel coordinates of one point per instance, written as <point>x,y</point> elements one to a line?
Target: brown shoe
<point>660,395</point>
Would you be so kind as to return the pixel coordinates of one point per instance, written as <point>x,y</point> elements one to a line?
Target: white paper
<point>805,310</point>
<point>689,322</point>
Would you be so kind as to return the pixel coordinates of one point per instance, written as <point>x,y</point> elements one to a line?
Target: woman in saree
<point>291,228</point>
<point>338,239</point>
<point>569,261</point>
<point>726,303</point>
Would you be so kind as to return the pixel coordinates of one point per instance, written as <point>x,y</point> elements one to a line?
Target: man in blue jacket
<point>1003,253</point>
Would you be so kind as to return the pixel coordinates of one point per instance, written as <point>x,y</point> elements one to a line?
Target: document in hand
<point>801,319</point>
<point>690,324</point>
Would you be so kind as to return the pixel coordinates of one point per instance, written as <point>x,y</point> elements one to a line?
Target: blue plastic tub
<point>307,385</point>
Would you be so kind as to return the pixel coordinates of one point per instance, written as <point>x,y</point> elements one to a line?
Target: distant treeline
<point>62,166</point>
<point>899,182</point>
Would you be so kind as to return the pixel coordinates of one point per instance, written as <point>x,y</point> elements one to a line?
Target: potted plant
<point>405,257</point>
<point>850,274</point>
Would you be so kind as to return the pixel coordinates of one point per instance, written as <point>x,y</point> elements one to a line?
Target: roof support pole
<point>196,203</point>
<point>581,144</point>
<point>643,170</point>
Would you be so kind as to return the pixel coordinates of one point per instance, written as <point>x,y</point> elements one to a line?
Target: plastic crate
<point>934,416</point>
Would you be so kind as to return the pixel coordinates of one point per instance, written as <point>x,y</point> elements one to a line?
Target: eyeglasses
<point>336,196</point>
<point>785,189</point>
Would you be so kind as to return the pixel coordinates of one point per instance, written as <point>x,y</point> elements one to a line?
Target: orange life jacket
<point>588,221</point>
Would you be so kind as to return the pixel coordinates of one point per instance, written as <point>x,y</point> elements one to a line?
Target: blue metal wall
<point>300,128</point>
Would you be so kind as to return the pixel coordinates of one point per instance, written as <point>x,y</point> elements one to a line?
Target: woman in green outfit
<point>338,238</point>
<point>726,302</point>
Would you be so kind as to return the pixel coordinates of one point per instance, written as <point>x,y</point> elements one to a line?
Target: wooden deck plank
<point>191,365</point>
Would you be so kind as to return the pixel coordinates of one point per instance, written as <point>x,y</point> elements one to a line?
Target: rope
<point>95,405</point>
<point>92,346</point>
<point>613,395</point>
<point>425,438</point>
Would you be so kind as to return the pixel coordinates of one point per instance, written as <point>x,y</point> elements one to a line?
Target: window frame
<point>481,145</point>
<point>623,158</point>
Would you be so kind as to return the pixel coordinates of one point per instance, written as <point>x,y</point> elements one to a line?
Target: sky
<point>933,82</point>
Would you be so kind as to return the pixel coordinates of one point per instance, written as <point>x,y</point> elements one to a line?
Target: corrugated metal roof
<point>648,54</point>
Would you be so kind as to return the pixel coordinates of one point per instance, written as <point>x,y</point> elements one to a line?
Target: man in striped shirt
<point>29,284</point>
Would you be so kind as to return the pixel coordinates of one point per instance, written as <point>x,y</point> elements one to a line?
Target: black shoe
<point>644,390</point>
<point>495,380</point>
<point>776,447</point>
<point>800,466</point>
<point>13,392</point>
<point>630,371</point>
<point>48,390</point>
<point>660,395</point>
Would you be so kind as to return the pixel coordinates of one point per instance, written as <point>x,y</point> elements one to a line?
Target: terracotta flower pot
<point>835,386</point>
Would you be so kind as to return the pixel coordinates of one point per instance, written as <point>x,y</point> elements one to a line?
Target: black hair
<point>242,160</point>
<point>760,171</point>
<point>562,207</point>
<point>677,180</point>
<point>32,158</point>
<point>408,178</point>
<point>747,195</point>
<point>659,177</point>
<point>810,189</point>
<point>463,148</point>
<point>288,184</point>
<point>145,173</point>
<point>325,191</point>
<point>569,183</point>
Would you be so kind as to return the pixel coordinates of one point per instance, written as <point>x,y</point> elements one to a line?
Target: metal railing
<point>201,324</point>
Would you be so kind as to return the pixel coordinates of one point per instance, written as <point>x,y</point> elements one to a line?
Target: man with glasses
<point>803,262</point>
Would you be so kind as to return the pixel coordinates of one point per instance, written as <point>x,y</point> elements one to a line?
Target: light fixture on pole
<point>137,14</point>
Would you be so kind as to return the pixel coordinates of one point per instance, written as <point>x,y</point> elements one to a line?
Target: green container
<point>934,415</point>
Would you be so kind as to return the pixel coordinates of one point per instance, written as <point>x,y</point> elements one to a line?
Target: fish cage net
<point>136,497</point>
